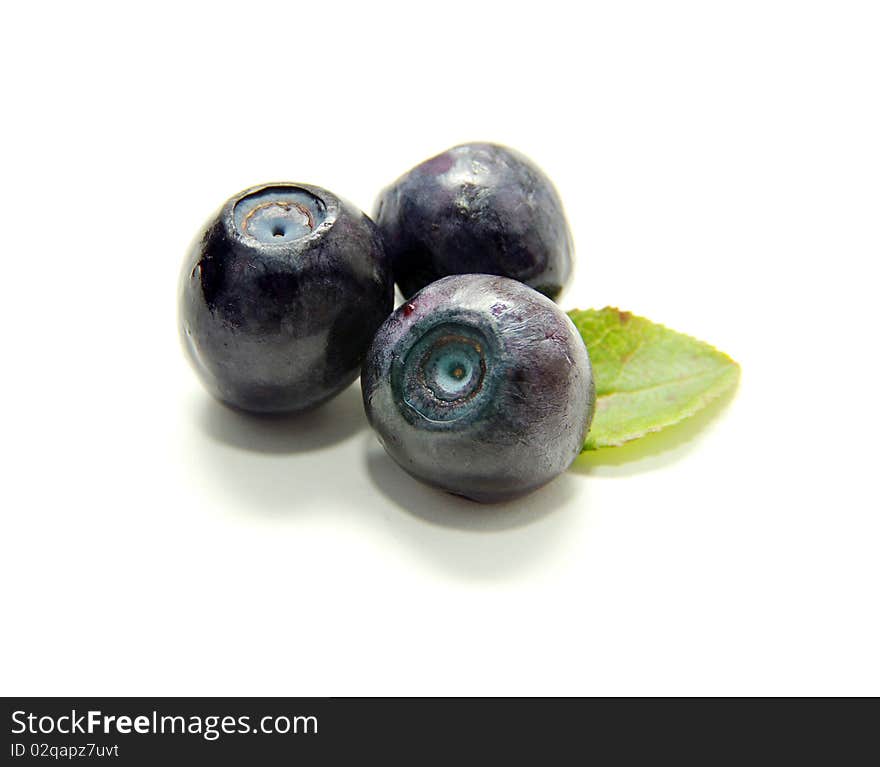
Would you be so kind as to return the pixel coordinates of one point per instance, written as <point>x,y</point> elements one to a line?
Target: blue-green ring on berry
<point>454,368</point>
<point>446,374</point>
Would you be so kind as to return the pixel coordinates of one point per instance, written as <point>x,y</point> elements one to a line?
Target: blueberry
<point>480,386</point>
<point>280,296</point>
<point>476,209</point>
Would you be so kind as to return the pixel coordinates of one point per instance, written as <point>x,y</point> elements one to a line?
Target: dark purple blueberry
<point>476,209</point>
<point>480,386</point>
<point>280,296</point>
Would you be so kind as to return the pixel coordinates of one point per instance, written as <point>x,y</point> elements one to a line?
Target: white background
<point>720,164</point>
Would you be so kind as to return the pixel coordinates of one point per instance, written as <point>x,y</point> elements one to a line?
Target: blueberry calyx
<point>279,214</point>
<point>445,372</point>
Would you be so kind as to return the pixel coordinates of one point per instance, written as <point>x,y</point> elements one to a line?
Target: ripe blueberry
<point>280,296</point>
<point>476,209</point>
<point>480,386</point>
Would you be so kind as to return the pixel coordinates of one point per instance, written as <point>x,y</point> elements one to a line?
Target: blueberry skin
<point>476,209</point>
<point>280,295</point>
<point>480,386</point>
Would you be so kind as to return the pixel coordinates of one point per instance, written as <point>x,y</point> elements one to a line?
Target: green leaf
<point>647,376</point>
